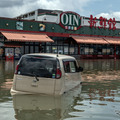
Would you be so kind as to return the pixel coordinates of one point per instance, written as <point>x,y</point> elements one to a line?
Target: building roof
<point>39,12</point>
<point>44,11</point>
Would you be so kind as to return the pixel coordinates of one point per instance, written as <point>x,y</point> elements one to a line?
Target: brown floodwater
<point>98,98</point>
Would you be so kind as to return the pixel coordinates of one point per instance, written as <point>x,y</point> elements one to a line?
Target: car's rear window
<point>39,66</point>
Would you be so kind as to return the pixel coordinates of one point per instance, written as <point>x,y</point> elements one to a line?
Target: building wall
<point>10,24</point>
<point>48,18</point>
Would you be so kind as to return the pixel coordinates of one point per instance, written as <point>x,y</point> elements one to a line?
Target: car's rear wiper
<point>35,76</point>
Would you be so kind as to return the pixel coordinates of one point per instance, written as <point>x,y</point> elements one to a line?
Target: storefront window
<point>99,51</point>
<point>108,51</point>
<point>26,49</point>
<point>48,49</point>
<point>36,49</point>
<point>54,49</point>
<point>71,50</point>
<point>82,51</point>
<point>104,51</point>
<point>112,51</point>
<point>31,49</point>
<point>17,53</point>
<point>118,50</point>
<point>91,51</point>
<point>76,50</point>
<point>66,50</point>
<point>86,51</point>
<point>60,49</point>
<point>22,50</point>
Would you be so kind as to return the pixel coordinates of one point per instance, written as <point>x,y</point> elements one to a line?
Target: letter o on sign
<point>64,19</point>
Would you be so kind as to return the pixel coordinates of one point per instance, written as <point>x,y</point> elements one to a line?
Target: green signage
<point>70,20</point>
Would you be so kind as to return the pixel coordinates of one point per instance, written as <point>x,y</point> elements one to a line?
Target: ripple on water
<point>96,110</point>
<point>6,111</point>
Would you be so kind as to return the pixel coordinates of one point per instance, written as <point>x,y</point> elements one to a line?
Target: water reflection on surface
<point>98,100</point>
<point>6,77</point>
<point>29,107</point>
<point>100,65</point>
<point>100,97</point>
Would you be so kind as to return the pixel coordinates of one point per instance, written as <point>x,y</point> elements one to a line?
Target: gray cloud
<point>13,8</point>
<point>10,3</point>
<point>109,15</point>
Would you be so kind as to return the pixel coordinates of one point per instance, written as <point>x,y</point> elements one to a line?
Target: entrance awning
<point>115,41</point>
<point>90,40</point>
<point>26,37</point>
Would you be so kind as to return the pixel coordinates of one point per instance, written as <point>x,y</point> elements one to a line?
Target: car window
<point>38,66</point>
<point>69,66</point>
<point>72,67</point>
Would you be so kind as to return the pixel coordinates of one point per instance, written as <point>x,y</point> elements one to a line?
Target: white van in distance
<point>51,74</point>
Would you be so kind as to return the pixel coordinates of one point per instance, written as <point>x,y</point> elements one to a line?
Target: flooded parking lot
<point>97,99</point>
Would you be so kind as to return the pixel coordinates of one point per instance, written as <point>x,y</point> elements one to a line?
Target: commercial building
<point>54,31</point>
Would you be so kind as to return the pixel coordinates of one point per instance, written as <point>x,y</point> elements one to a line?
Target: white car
<point>51,74</point>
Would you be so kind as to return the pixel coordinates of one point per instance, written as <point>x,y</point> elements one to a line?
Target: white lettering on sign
<point>75,20</point>
<point>64,16</point>
<point>69,19</point>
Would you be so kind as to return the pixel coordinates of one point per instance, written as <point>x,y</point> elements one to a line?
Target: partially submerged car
<point>51,74</point>
<point>47,107</point>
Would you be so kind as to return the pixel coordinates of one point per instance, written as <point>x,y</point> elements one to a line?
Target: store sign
<point>70,21</point>
<point>102,23</point>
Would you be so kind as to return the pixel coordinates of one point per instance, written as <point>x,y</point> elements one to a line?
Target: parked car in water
<point>52,74</point>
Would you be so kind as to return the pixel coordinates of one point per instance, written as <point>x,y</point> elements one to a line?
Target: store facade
<point>72,34</point>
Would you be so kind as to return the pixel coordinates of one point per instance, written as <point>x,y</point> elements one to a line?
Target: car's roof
<point>59,56</point>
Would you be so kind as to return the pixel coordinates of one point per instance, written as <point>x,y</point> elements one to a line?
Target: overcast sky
<point>105,8</point>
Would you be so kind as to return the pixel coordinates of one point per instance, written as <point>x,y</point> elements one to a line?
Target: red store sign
<point>103,23</point>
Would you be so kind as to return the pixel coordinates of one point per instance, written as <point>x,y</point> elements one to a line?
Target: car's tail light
<point>58,73</point>
<point>16,70</point>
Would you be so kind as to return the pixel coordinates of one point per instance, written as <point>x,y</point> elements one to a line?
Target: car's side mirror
<point>80,69</point>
